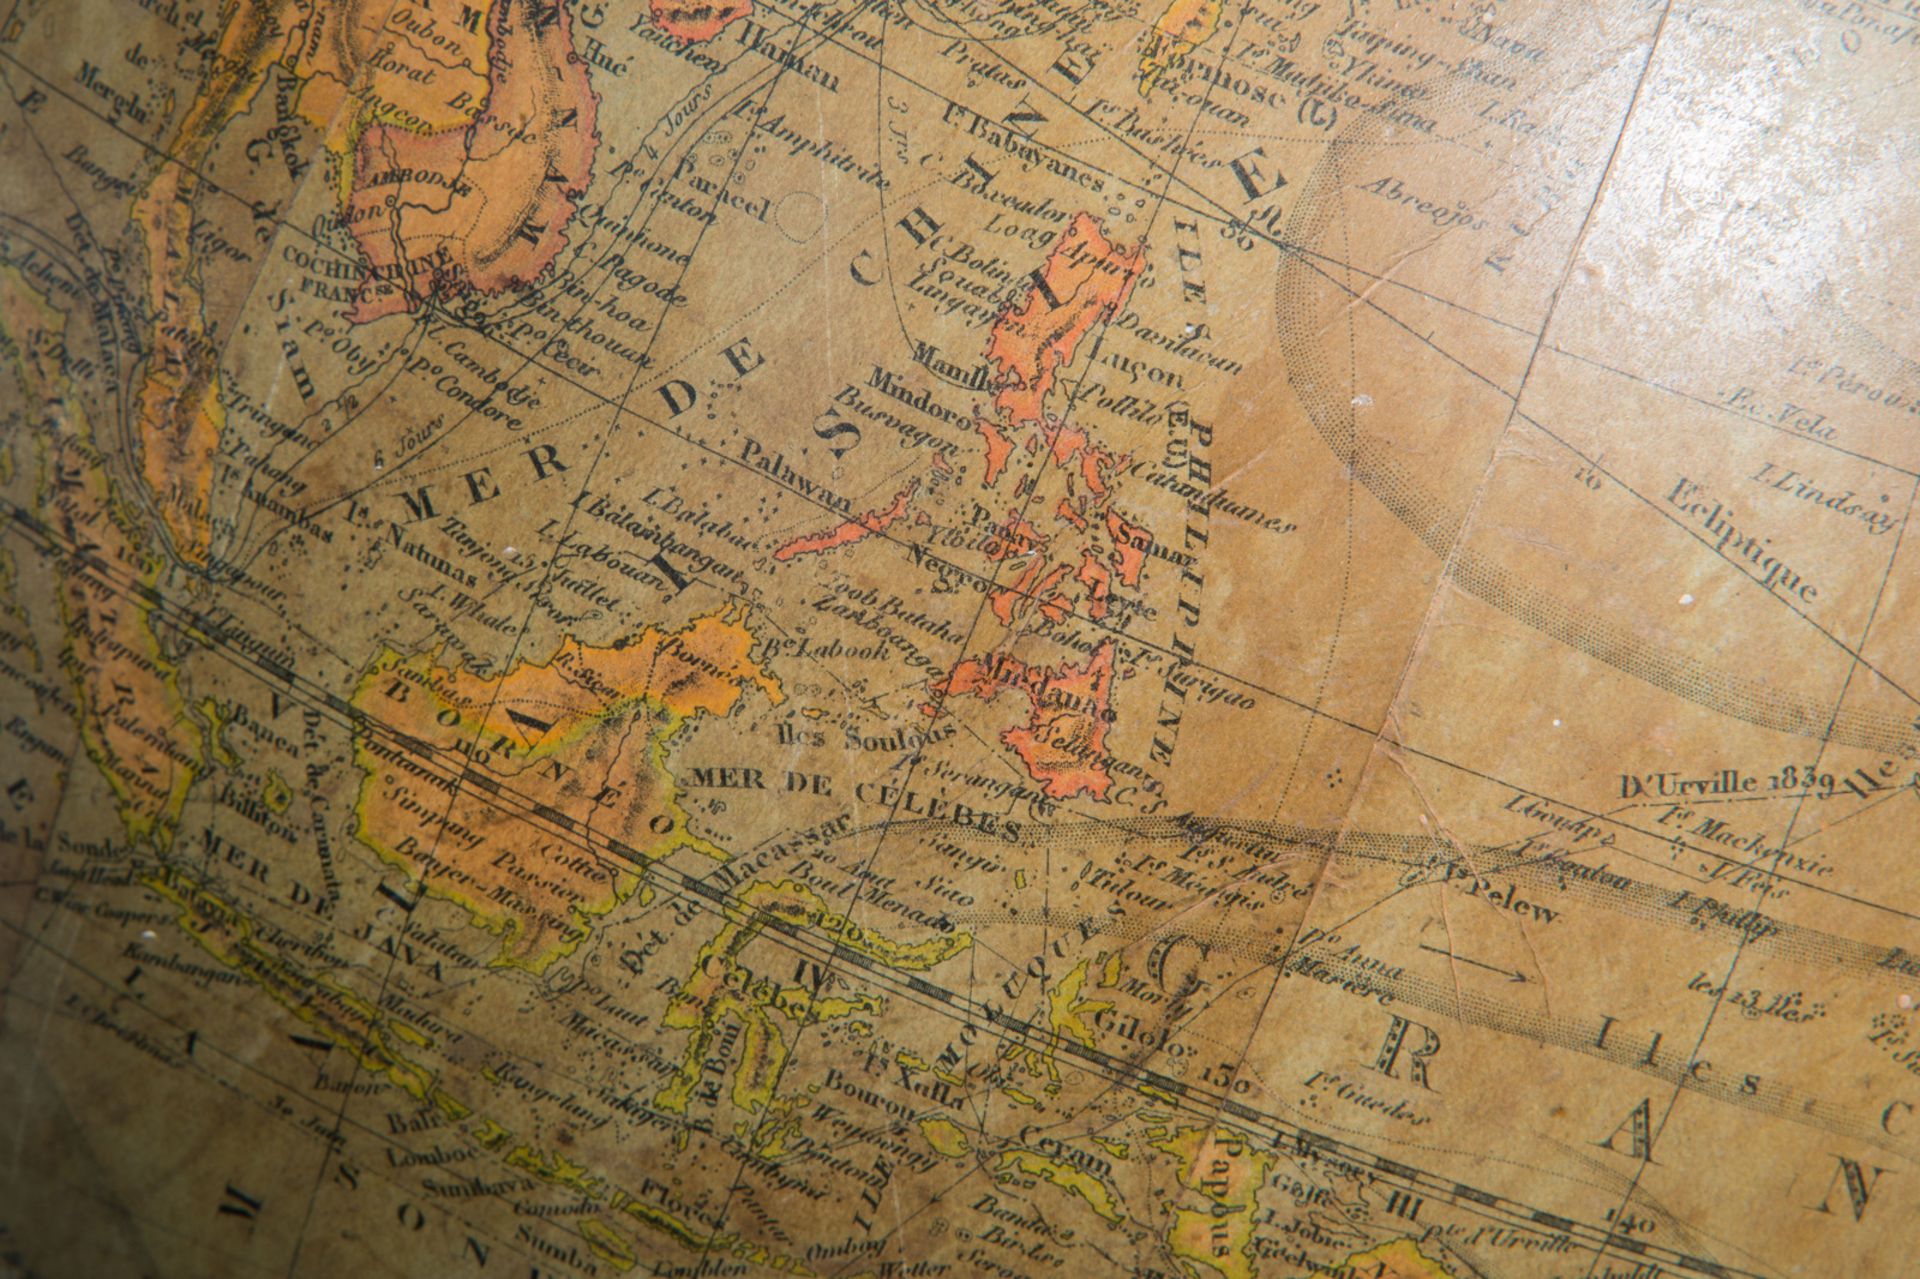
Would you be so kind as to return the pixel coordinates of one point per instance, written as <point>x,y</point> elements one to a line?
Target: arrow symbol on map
<point>1511,974</point>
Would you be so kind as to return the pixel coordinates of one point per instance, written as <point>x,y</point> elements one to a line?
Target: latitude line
<point>1655,1131</point>
<point>1314,711</point>
<point>1363,296</point>
<point>568,829</point>
<point>1041,458</point>
<point>1306,1142</point>
<point>619,404</point>
<point>202,626</point>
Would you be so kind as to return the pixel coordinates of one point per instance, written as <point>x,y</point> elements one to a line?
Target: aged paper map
<point>890,639</point>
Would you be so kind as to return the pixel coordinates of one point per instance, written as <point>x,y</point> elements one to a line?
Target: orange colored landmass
<point>1086,280</point>
<point>482,207</point>
<point>1098,581</point>
<point>1013,539</point>
<point>1063,742</point>
<point>695,22</point>
<point>584,733</point>
<point>178,414</point>
<point>1065,442</point>
<point>1029,589</point>
<point>850,532</point>
<point>999,449</point>
<point>357,61</point>
<point>1129,547</point>
<point>1016,539</point>
<point>1182,28</point>
<point>416,64</point>
<point>132,717</point>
